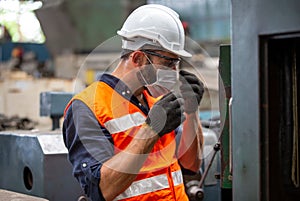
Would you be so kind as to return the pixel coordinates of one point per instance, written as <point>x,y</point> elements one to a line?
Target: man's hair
<point>125,53</point>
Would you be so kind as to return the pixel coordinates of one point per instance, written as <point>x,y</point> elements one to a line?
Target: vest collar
<point>120,87</point>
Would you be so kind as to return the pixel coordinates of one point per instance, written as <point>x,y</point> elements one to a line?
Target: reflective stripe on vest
<point>124,123</point>
<point>177,178</point>
<point>151,184</point>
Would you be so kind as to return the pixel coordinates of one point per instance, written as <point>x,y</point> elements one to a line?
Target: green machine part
<point>225,98</point>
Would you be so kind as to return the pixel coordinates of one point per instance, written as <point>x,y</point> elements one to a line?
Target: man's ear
<point>137,58</point>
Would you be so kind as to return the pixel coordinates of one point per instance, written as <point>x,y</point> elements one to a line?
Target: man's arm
<point>102,174</point>
<point>120,171</point>
<point>190,146</point>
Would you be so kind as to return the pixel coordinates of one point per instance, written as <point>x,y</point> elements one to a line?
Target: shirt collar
<point>115,83</point>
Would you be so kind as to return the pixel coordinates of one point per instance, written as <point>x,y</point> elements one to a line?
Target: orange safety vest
<point>160,177</point>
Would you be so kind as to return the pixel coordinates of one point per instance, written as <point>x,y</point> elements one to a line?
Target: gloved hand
<point>192,90</point>
<point>166,114</point>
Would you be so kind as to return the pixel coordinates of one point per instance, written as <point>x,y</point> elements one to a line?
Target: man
<point>120,131</point>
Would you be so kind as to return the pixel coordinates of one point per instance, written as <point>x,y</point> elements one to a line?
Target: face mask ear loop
<point>149,60</point>
<point>140,75</point>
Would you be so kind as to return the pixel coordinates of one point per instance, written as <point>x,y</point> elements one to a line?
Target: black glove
<point>166,114</point>
<point>192,90</point>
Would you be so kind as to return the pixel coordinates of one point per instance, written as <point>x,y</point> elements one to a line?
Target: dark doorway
<point>279,119</point>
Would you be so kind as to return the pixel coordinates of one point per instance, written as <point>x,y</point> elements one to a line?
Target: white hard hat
<point>155,26</point>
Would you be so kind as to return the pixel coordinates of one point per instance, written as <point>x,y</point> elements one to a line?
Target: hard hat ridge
<point>154,25</point>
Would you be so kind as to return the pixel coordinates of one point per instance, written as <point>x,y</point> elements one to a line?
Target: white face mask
<point>165,81</point>
<point>166,78</point>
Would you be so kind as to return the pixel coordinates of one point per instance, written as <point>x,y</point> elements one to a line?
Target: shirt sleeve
<point>89,146</point>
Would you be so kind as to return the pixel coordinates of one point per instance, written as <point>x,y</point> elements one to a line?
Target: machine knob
<point>194,192</point>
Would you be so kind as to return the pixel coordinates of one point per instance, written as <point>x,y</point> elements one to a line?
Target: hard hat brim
<point>182,53</point>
